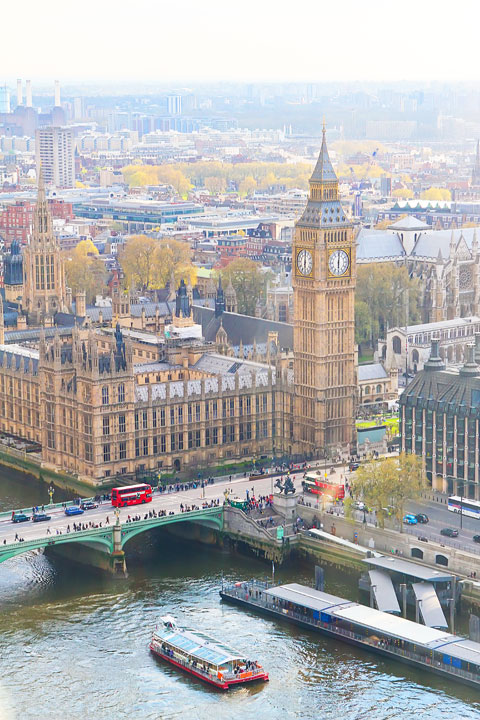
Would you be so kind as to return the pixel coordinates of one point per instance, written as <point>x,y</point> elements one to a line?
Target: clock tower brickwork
<point>323,276</point>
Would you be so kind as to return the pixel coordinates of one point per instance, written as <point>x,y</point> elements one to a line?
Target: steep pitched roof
<point>323,171</point>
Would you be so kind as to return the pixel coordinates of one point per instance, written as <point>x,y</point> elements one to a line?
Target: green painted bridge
<point>109,539</point>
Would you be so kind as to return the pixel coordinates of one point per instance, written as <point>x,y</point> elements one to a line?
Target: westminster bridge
<point>99,536</point>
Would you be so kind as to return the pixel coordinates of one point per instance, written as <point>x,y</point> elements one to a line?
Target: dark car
<point>422,518</point>
<point>73,510</point>
<point>354,466</point>
<point>449,532</point>
<point>88,505</point>
<point>20,517</point>
<point>40,517</point>
<point>422,538</point>
<point>476,538</point>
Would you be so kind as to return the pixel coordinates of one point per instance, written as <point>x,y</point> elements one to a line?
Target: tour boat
<point>203,657</point>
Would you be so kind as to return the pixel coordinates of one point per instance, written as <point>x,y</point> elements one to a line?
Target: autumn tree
<point>85,270</point>
<point>138,261</point>
<point>436,193</point>
<point>389,482</point>
<point>247,186</point>
<point>403,193</point>
<point>248,281</point>
<point>173,256</point>
<point>215,184</point>
<point>383,287</point>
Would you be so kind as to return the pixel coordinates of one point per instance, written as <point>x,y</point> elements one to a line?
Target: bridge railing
<point>7,514</point>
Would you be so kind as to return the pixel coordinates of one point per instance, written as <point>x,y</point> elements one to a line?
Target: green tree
<point>389,482</point>
<point>248,281</point>
<point>362,322</point>
<point>383,288</point>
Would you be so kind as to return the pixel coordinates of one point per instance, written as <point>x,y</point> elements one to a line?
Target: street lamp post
<point>51,490</point>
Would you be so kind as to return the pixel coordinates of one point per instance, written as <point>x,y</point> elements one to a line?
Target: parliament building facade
<point>107,399</point>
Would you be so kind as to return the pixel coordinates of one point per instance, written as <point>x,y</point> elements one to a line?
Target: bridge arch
<point>206,517</point>
<point>103,540</point>
<point>441,560</point>
<point>416,553</point>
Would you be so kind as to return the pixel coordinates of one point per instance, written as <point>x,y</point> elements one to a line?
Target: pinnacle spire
<point>41,185</point>
<point>323,171</point>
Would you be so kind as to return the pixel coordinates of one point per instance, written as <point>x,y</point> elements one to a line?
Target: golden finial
<point>324,129</point>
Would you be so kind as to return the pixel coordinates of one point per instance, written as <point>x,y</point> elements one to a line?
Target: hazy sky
<point>252,40</point>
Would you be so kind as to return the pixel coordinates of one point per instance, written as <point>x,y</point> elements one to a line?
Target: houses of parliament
<point>111,396</point>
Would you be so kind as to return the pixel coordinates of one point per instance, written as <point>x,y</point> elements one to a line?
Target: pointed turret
<point>219,299</point>
<point>323,171</point>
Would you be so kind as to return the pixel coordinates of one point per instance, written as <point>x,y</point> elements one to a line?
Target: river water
<point>74,643</point>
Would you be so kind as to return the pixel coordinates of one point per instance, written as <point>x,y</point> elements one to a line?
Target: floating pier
<point>417,645</point>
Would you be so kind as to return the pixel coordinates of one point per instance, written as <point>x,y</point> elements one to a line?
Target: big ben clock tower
<point>323,277</point>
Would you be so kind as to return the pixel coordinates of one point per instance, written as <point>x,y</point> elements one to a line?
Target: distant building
<point>385,186</point>
<point>55,150</point>
<point>376,386</point>
<point>174,104</point>
<point>4,100</point>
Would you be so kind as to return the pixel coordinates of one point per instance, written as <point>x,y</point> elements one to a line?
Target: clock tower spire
<point>324,272</point>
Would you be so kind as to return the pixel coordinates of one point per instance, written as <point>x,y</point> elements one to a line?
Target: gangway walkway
<point>383,591</point>
<point>430,607</point>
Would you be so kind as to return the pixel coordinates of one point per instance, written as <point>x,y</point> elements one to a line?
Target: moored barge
<point>395,637</point>
<point>203,657</point>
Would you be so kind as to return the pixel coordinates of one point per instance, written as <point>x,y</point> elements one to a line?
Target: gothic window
<point>106,453</point>
<point>145,419</point>
<point>105,395</point>
<point>197,413</point>
<point>121,393</point>
<point>88,452</point>
<point>396,345</point>
<point>378,389</point>
<point>415,356</point>
<point>136,421</point>
<point>106,425</point>
<point>122,450</point>
<point>145,445</point>
<point>121,424</point>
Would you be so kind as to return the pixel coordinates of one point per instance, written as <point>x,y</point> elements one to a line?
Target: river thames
<point>74,642</point>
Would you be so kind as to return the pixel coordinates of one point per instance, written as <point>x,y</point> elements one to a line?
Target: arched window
<point>417,553</point>
<point>441,560</point>
<point>379,389</point>
<point>105,395</point>
<point>121,393</point>
<point>367,390</point>
<point>396,345</point>
<point>415,356</point>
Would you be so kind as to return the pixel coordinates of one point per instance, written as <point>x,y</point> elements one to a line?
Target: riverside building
<point>440,422</point>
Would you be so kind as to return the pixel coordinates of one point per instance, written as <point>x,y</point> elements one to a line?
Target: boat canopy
<point>198,645</point>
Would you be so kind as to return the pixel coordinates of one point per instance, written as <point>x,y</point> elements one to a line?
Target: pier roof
<point>307,597</point>
<point>392,625</point>
<point>405,567</point>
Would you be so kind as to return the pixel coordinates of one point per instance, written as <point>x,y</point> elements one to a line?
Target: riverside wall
<point>391,542</point>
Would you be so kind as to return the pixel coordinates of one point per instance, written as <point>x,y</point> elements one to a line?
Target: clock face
<point>338,262</point>
<point>304,262</point>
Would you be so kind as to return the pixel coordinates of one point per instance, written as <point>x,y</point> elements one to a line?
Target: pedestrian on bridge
<point>48,531</point>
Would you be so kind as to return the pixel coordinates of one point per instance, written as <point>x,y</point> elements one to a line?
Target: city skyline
<point>273,44</point>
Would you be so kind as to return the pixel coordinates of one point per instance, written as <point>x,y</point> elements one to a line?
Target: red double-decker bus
<point>131,495</point>
<point>318,484</point>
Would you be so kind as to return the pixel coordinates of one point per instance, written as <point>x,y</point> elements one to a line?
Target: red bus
<point>131,495</point>
<point>319,485</point>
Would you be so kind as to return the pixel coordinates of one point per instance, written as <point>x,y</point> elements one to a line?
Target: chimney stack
<point>28,93</point>
<point>19,92</point>
<point>57,93</point>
